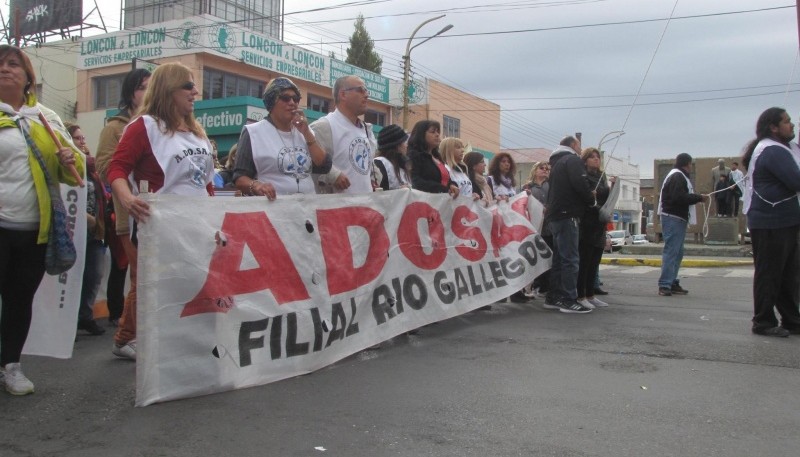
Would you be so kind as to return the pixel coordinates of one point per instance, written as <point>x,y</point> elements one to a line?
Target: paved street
<point>648,376</point>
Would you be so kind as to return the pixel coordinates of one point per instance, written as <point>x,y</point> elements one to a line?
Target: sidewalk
<point>695,256</point>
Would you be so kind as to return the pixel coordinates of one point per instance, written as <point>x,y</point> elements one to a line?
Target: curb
<point>687,263</point>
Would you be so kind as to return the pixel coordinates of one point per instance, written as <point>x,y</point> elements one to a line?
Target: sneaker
<point>599,291</point>
<point>125,351</point>
<point>597,302</point>
<point>768,331</point>
<point>550,302</point>
<point>678,290</point>
<point>91,327</point>
<point>665,291</point>
<point>572,307</point>
<point>15,380</point>
<point>585,303</point>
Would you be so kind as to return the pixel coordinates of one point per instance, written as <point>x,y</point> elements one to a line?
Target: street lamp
<point>619,133</point>
<point>407,62</point>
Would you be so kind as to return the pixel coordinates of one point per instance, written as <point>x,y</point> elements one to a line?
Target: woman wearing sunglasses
<point>169,149</point>
<point>274,156</point>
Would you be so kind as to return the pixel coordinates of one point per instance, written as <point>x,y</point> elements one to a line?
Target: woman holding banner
<point>452,150</point>
<point>167,148</point>
<point>25,207</point>
<point>428,172</point>
<point>274,156</point>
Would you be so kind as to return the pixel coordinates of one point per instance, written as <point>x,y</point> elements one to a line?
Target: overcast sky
<point>570,70</point>
<point>555,82</point>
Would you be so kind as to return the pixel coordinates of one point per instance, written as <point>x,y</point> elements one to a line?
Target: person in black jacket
<point>567,201</point>
<point>676,210</point>
<point>428,172</point>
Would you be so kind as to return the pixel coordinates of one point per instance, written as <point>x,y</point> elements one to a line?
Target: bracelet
<point>250,189</point>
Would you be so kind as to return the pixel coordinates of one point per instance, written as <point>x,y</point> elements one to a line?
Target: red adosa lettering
<point>343,275</point>
<point>409,240</point>
<point>276,271</point>
<point>475,252</point>
<point>503,234</point>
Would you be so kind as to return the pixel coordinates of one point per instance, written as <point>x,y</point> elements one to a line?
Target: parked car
<point>620,238</point>
<point>640,239</point>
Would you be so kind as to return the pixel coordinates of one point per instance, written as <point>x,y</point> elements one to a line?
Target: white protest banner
<point>55,305</point>
<point>238,292</point>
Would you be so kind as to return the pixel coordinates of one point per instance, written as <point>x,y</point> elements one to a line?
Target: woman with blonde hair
<point>169,149</point>
<point>452,151</point>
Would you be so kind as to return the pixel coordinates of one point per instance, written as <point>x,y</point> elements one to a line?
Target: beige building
<point>465,116</point>
<point>82,77</point>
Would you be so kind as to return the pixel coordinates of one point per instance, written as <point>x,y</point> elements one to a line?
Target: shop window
<point>375,117</point>
<point>319,104</point>
<point>451,127</point>
<point>219,84</point>
<point>107,90</point>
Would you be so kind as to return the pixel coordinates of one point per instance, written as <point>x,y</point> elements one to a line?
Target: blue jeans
<point>566,260</point>
<point>674,231</point>
<point>92,275</point>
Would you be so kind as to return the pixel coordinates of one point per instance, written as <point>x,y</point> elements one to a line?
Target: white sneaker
<point>597,302</point>
<point>585,303</point>
<point>15,380</point>
<point>126,351</point>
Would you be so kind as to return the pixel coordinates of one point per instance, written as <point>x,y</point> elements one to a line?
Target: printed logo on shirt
<point>198,172</point>
<point>360,155</point>
<point>295,162</point>
<point>190,152</point>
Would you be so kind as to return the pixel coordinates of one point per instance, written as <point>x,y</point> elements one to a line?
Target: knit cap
<point>391,136</point>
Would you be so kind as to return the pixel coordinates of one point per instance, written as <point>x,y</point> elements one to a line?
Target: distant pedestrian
<point>592,231</point>
<point>773,217</point>
<point>722,195</point>
<point>676,210</point>
<point>736,177</point>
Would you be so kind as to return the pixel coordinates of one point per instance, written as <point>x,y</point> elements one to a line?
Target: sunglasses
<point>286,98</point>
<point>360,89</point>
<point>188,85</point>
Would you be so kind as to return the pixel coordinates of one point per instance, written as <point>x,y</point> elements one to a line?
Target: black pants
<point>21,271</point>
<point>587,271</point>
<point>542,282</point>
<point>776,281</point>
<point>115,289</point>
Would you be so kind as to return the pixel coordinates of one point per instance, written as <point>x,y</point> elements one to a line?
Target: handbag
<point>60,254</point>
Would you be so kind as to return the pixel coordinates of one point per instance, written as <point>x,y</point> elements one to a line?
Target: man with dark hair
<point>676,210</point>
<point>567,201</point>
<point>772,206</point>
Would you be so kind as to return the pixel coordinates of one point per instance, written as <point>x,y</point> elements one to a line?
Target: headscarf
<point>274,88</point>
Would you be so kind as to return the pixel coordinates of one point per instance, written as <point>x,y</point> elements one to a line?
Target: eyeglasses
<point>286,98</point>
<point>361,89</point>
<point>189,85</point>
